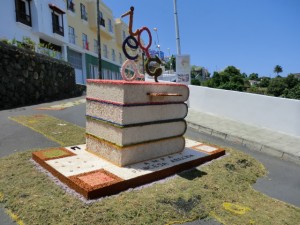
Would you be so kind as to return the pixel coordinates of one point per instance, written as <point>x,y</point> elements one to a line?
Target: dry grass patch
<point>221,189</point>
<point>62,132</point>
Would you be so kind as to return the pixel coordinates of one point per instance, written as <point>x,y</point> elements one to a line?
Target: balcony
<point>58,29</point>
<point>102,22</point>
<point>22,17</point>
<point>85,45</point>
<point>72,38</point>
<point>84,16</point>
<point>71,6</point>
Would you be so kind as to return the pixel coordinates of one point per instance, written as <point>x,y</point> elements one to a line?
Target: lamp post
<point>170,61</point>
<point>177,28</point>
<point>158,46</point>
<point>99,41</point>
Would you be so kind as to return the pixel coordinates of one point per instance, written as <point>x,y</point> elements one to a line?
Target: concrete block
<point>292,158</point>
<point>272,151</point>
<point>218,134</point>
<point>205,130</point>
<point>193,125</point>
<point>252,145</point>
<point>234,139</point>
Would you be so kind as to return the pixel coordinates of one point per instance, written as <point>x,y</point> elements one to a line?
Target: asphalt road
<point>282,181</point>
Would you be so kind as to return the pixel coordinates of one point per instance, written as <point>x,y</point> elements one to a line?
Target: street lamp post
<point>177,28</point>
<point>99,41</point>
<point>158,46</point>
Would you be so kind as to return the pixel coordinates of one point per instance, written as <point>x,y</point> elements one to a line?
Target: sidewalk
<point>255,138</point>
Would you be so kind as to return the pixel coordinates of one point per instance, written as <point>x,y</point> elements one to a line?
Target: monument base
<point>94,177</point>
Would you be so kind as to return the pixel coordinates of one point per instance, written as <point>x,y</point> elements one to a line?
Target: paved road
<point>282,182</point>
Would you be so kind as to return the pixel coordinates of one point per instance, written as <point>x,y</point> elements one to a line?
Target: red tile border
<point>119,185</point>
<point>80,181</point>
<point>40,154</point>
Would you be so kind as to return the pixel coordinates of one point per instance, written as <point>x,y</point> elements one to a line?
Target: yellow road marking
<point>57,130</point>
<point>63,105</point>
<point>180,222</point>
<point>235,208</point>
<point>1,197</point>
<point>14,217</point>
<point>45,135</point>
<point>218,218</point>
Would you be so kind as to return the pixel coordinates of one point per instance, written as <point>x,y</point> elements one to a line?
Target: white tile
<point>190,143</point>
<point>85,162</point>
<point>206,148</point>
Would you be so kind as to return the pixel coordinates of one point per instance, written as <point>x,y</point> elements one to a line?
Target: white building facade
<point>43,22</point>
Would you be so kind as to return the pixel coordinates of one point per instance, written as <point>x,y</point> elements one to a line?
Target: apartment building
<point>43,22</point>
<point>69,27</point>
<point>83,47</point>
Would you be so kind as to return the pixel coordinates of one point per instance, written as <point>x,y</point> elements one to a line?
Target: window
<point>75,59</point>
<point>23,12</point>
<point>102,21</point>
<point>95,46</point>
<point>83,11</point>
<point>71,35</point>
<point>110,27</point>
<point>105,51</point>
<point>57,19</point>
<point>71,5</point>
<point>94,74</point>
<point>120,58</point>
<point>85,43</point>
<point>113,55</point>
<point>124,35</point>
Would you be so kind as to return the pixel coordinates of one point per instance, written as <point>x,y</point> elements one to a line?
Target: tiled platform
<point>94,177</point>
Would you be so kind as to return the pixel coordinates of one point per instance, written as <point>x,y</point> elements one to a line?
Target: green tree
<point>291,81</point>
<point>264,82</point>
<point>229,79</point>
<point>277,86</point>
<point>253,76</point>
<point>278,69</point>
<point>195,71</point>
<point>195,82</point>
<point>293,93</point>
<point>171,64</point>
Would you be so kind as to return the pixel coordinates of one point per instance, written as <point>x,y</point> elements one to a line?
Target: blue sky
<point>252,35</point>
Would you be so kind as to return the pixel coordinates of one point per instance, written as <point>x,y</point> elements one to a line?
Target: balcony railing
<point>58,29</point>
<point>85,45</point>
<point>71,7</point>
<point>49,52</point>
<point>102,22</point>
<point>72,38</point>
<point>84,16</point>
<point>22,17</point>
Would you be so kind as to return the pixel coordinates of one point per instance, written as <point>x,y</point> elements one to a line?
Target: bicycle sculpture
<point>133,42</point>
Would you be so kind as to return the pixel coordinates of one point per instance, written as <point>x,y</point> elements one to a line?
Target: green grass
<point>221,189</point>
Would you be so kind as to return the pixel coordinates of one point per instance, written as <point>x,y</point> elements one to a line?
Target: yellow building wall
<point>113,40</point>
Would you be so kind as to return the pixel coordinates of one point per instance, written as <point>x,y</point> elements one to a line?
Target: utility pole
<point>177,28</point>
<point>99,41</point>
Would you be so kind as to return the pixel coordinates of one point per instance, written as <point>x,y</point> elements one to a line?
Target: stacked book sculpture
<point>130,122</point>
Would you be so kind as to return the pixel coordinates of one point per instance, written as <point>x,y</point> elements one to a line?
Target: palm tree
<point>277,69</point>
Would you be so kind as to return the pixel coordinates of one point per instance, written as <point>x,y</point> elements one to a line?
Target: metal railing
<point>22,17</point>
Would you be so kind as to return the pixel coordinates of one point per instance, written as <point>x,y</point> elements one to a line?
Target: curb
<point>252,145</point>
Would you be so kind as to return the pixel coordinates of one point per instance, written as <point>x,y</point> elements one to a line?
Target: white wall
<point>9,28</point>
<point>44,21</point>
<point>41,22</point>
<point>279,114</point>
